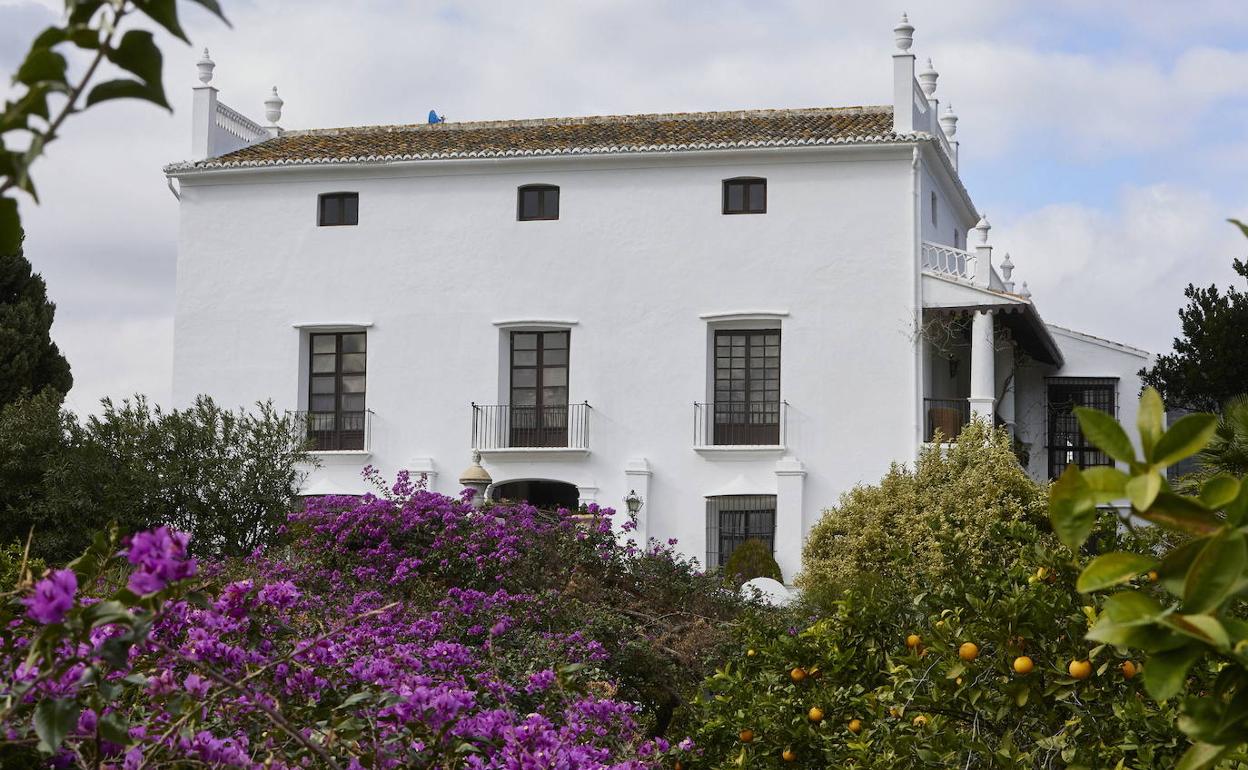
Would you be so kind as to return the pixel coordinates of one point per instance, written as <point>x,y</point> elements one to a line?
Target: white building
<point>737,315</point>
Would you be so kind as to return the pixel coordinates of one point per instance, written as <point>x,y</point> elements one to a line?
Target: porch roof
<point>949,296</point>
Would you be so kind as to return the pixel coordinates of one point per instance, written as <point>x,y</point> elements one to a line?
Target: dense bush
<point>751,559</point>
<point>960,645</point>
<point>229,478</point>
<point>399,631</point>
<point>928,525</point>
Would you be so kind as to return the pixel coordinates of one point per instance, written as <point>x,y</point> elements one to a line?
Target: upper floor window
<point>539,388</point>
<point>537,201</point>
<point>933,207</point>
<point>745,195</point>
<point>334,209</point>
<point>337,419</point>
<point>1067,444</point>
<point>747,408</point>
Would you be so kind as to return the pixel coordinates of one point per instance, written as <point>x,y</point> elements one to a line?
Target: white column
<point>637,479</point>
<point>903,78</point>
<point>791,526</point>
<point>983,365</point>
<point>203,119</point>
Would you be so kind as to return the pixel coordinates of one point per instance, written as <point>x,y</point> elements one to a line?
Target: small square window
<point>745,196</point>
<point>537,201</point>
<point>338,209</point>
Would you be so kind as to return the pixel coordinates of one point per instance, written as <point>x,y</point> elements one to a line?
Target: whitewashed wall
<point>640,252</point>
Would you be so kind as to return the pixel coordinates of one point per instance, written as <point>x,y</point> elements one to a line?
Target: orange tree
<point>1196,620</point>
<point>983,667</point>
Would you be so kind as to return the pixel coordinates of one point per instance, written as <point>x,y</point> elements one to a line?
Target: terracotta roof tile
<point>567,136</point>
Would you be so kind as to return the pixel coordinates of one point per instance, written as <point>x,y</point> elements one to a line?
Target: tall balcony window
<point>539,389</point>
<point>337,417</point>
<point>747,408</point>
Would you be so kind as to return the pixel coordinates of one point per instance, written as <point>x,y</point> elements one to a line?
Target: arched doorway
<point>540,493</point>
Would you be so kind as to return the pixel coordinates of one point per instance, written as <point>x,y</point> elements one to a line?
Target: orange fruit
<point>815,714</point>
<point>797,674</point>
<point>855,726</point>
<point>678,766</point>
<point>746,735</point>
<point>788,755</point>
<point>920,721</point>
<point>1080,669</point>
<point>968,651</point>
<point>1128,669</point>
<point>912,641</point>
<point>1023,665</point>
<point>1152,576</point>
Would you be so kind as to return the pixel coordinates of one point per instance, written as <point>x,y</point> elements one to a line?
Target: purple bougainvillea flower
<point>53,597</point>
<point>159,558</point>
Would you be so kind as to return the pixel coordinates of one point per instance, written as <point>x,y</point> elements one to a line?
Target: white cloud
<point>1120,273</point>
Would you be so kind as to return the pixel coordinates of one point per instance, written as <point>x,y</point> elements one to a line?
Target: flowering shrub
<point>401,630</point>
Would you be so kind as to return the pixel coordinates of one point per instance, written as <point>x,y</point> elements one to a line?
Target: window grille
<point>1066,443</point>
<point>733,519</point>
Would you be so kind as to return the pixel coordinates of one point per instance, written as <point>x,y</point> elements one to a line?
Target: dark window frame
<point>745,183</point>
<point>1065,443</point>
<point>751,421</point>
<point>540,424</point>
<point>339,198</point>
<point>543,214</point>
<point>935,203</point>
<point>757,514</point>
<point>347,428</point>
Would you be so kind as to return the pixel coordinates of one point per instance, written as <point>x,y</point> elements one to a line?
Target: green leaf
<point>1142,490</point>
<point>53,721</point>
<point>215,8</point>
<point>1104,431</point>
<point>1213,572</point>
<point>1132,607</point>
<point>138,54</point>
<point>1072,508</point>
<point>1166,672</point>
<point>1172,574</point>
<point>1111,569</point>
<point>1201,755</point>
<point>1237,509</point>
<point>10,227</point>
<point>41,65</point>
<point>1206,628</point>
<point>104,613</point>
<point>1186,437</point>
<point>1150,419</point>
<point>1182,514</point>
<point>1219,491</point>
<point>164,13</point>
<point>114,728</point>
<point>124,88</point>
<point>1108,483</point>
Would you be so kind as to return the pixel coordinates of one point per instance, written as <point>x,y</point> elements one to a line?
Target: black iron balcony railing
<point>338,431</point>
<point>740,423</point>
<point>507,426</point>
<point>948,416</point>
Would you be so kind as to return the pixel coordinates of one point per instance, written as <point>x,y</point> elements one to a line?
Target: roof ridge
<point>584,120</point>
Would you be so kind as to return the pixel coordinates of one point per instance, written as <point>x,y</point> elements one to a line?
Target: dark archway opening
<point>540,493</point>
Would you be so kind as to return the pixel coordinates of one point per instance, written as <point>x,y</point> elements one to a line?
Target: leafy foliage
<point>46,95</point>
<point>1207,367</point>
<point>749,560</point>
<point>29,359</point>
<point>1192,622</point>
<point>229,478</point>
<point>407,630</point>
<point>926,526</point>
<point>1227,451</point>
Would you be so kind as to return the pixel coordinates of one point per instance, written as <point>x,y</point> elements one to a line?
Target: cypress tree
<point>29,360</point>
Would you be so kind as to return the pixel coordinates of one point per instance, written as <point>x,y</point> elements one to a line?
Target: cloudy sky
<point>1106,141</point>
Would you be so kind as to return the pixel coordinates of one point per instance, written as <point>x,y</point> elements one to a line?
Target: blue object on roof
<point>434,118</point>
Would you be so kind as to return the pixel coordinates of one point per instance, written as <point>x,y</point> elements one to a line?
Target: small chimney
<point>203,110</point>
<point>903,78</point>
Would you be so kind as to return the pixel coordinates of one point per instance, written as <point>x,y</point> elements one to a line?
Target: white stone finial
<point>903,34</point>
<point>949,123</point>
<point>982,229</point>
<point>927,79</point>
<point>1007,270</point>
<point>1025,293</point>
<point>273,107</point>
<point>205,66</point>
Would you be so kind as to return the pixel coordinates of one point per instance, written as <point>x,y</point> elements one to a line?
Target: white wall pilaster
<point>637,475</point>
<point>791,527</point>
